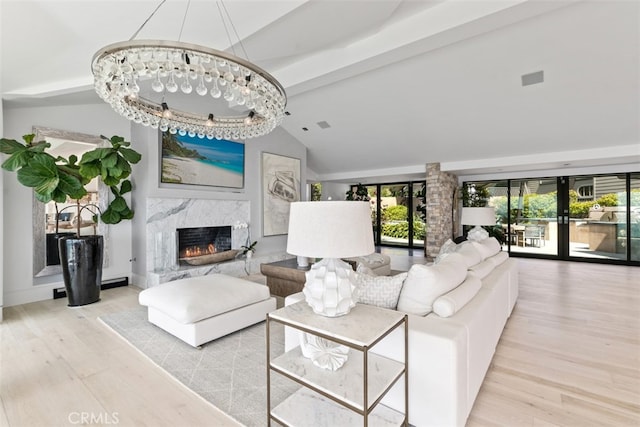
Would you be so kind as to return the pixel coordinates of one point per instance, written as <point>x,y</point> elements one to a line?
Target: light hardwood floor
<point>569,356</point>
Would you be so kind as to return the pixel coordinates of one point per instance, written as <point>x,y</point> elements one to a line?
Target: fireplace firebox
<point>202,242</point>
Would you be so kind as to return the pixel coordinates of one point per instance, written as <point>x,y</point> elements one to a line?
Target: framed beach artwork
<point>201,161</point>
<point>280,187</point>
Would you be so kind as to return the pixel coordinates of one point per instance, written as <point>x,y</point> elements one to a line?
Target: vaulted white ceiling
<point>401,83</point>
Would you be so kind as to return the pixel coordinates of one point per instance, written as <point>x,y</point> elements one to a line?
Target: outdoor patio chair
<point>534,235</point>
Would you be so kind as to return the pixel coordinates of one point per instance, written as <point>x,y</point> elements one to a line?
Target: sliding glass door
<point>398,213</point>
<point>533,209</point>
<point>587,217</point>
<point>601,214</point>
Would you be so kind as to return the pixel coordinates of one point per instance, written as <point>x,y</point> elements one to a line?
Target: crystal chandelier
<point>138,78</point>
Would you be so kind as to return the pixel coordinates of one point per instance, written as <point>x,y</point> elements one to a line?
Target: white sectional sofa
<point>457,309</point>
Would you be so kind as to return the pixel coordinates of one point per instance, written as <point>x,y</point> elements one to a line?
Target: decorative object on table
<point>147,82</point>
<point>478,217</point>
<point>59,179</point>
<point>330,230</point>
<point>323,353</point>
<point>191,160</point>
<point>280,187</point>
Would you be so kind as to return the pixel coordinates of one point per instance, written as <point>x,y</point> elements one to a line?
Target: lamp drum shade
<point>330,229</point>
<point>478,216</point>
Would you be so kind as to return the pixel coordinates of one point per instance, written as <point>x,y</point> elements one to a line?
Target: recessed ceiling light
<point>305,129</point>
<point>323,125</point>
<point>286,113</point>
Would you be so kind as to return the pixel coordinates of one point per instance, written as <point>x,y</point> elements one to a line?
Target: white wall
<point>19,284</point>
<point>334,190</point>
<point>147,184</point>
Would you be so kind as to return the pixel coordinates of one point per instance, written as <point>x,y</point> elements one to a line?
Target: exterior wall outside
<point>441,189</point>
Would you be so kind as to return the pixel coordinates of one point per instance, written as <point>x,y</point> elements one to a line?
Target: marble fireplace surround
<point>164,216</point>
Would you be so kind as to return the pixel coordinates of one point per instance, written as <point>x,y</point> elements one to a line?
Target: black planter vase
<point>81,261</point>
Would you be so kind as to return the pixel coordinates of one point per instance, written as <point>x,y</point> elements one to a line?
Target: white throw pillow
<point>487,247</point>
<point>426,283</point>
<point>447,248</point>
<point>470,253</point>
<point>381,291</point>
<point>453,301</point>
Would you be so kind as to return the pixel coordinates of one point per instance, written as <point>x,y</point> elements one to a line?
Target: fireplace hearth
<point>204,245</point>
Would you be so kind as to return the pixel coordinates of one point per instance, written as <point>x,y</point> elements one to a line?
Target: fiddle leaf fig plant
<point>58,178</point>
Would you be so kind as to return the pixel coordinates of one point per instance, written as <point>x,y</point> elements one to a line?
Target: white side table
<point>351,395</point>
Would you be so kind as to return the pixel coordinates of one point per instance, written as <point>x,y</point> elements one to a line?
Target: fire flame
<point>195,251</point>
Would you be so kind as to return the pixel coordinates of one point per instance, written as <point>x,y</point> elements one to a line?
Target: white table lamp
<point>330,230</point>
<point>478,217</point>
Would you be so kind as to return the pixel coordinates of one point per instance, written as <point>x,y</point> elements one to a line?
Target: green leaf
<point>28,138</point>
<point>73,159</point>
<point>126,214</point>
<point>125,187</point>
<point>41,173</point>
<point>130,155</point>
<point>90,170</point>
<point>110,216</point>
<point>124,167</point>
<point>119,204</point>
<point>95,154</point>
<point>46,198</point>
<point>10,146</point>
<point>110,160</point>
<point>72,186</point>
<point>109,180</point>
<point>39,147</point>
<point>17,160</point>
<point>115,139</point>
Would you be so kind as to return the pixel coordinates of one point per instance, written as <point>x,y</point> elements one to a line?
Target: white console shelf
<point>350,395</point>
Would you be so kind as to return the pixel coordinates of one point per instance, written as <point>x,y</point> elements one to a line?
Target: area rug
<point>229,372</point>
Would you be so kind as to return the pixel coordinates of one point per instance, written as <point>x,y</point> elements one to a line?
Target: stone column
<point>440,194</point>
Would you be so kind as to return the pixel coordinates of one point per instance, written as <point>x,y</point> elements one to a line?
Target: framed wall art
<point>280,187</point>
<point>201,161</point>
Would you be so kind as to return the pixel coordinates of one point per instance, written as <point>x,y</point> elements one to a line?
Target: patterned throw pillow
<point>381,291</point>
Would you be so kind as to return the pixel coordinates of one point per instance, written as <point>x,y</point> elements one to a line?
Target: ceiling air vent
<point>532,78</point>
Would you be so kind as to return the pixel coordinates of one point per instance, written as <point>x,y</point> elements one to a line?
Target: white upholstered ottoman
<point>200,309</point>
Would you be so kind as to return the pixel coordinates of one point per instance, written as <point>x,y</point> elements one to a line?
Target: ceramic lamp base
<point>330,287</point>
<point>477,234</point>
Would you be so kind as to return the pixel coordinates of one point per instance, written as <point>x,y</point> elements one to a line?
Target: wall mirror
<point>45,230</point>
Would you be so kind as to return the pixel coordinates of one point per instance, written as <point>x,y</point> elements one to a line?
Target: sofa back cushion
<point>426,283</point>
<point>498,258</point>
<point>483,268</point>
<point>450,303</point>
